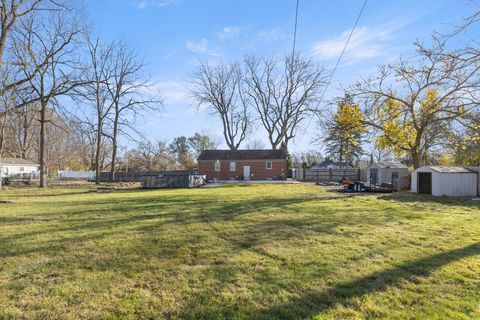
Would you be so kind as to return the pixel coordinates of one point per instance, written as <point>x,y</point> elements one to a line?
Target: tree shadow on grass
<point>421,199</point>
<point>314,302</point>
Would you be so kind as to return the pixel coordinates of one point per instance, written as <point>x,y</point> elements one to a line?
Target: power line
<point>295,30</point>
<point>336,65</point>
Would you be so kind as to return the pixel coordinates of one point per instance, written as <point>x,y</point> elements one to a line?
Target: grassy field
<point>237,252</point>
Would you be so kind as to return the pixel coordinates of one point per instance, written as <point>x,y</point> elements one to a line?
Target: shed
<point>445,181</point>
<point>388,172</point>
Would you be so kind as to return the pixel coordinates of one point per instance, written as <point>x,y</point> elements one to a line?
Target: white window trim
<point>217,168</point>
<point>233,166</point>
<point>271,165</point>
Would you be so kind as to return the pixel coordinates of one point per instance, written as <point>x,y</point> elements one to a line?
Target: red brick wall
<point>258,170</point>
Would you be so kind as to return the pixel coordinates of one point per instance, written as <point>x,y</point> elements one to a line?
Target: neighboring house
<point>329,164</point>
<point>388,172</point>
<point>446,181</point>
<point>244,164</point>
<point>15,166</point>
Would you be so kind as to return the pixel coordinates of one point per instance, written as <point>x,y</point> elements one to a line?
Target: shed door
<point>373,176</point>
<point>425,182</point>
<point>395,177</point>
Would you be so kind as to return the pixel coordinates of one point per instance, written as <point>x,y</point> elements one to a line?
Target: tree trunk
<point>416,159</point>
<point>97,153</point>
<point>43,162</point>
<point>2,137</point>
<point>114,148</point>
<point>25,136</point>
<point>340,158</point>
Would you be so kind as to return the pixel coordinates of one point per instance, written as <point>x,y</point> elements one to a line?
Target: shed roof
<point>16,161</point>
<point>266,154</point>
<point>450,169</point>
<point>388,165</point>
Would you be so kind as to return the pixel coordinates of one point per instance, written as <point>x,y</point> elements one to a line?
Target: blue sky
<point>172,35</point>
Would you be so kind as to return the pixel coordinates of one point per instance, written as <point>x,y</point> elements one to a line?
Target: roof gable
<point>388,165</point>
<point>265,154</point>
<point>17,161</point>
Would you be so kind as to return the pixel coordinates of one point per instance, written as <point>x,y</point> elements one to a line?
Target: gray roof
<point>16,161</point>
<point>266,154</point>
<point>449,169</point>
<point>328,162</point>
<point>389,165</point>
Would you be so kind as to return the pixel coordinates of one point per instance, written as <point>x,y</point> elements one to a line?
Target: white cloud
<point>365,43</point>
<point>171,92</point>
<point>270,35</point>
<point>144,4</point>
<point>228,32</point>
<point>202,47</point>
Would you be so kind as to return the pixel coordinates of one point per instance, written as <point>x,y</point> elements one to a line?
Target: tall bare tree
<point>129,95</point>
<point>47,59</point>
<point>284,92</point>
<point>95,91</point>
<point>219,87</point>
<point>12,15</point>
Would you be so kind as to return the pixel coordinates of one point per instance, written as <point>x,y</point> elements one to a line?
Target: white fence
<point>76,175</point>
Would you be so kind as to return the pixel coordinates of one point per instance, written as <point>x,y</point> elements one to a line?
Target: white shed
<point>445,181</point>
<point>388,172</point>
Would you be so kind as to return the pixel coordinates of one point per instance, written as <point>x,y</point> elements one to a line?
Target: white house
<point>14,166</point>
<point>445,181</point>
<point>388,172</point>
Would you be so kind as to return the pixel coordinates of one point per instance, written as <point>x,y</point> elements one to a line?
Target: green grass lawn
<point>237,252</point>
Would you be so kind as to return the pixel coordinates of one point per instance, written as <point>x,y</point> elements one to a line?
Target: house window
<point>269,165</point>
<point>22,169</point>
<point>217,166</point>
<point>233,166</point>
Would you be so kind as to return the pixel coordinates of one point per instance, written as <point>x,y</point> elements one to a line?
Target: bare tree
<point>83,136</point>
<point>128,95</point>
<point>99,71</point>
<point>151,156</point>
<point>284,93</point>
<point>12,15</point>
<point>47,59</point>
<point>412,101</point>
<point>255,144</point>
<point>219,88</point>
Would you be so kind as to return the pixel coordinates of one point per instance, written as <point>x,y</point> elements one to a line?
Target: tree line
<point>421,110</point>
<point>67,95</point>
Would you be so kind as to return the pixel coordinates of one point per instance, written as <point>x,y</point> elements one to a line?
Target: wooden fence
<point>328,175</point>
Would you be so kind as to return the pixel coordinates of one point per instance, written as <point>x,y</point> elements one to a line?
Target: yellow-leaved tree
<point>413,104</point>
<point>344,133</point>
<point>403,130</point>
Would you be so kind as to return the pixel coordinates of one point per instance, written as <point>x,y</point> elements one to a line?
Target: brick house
<point>244,164</point>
